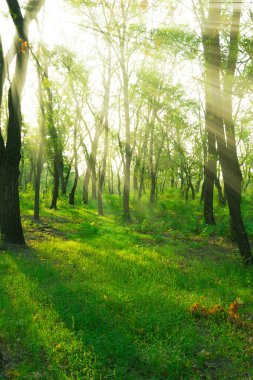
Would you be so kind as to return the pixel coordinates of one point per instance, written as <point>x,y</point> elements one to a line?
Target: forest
<point>126,189</point>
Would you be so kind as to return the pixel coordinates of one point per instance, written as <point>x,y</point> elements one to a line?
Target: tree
<point>219,109</point>
<point>11,228</point>
<point>105,122</point>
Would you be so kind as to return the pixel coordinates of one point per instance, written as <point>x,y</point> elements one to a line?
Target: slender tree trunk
<point>42,132</point>
<point>135,179</point>
<point>102,172</point>
<point>151,160</point>
<point>119,183</point>
<point>112,180</point>
<point>153,188</point>
<point>36,213</point>
<point>210,168</point>
<point>143,162</point>
<point>163,184</point>
<point>94,183</point>
<point>100,192</point>
<point>210,165</point>
<point>46,181</point>
<point>187,193</point>
<point>56,179</point>
<point>141,185</point>
<point>101,181</point>
<point>192,190</point>
<point>65,179</point>
<point>91,165</point>
<point>73,190</point>
<point>128,153</point>
<point>55,148</point>
<point>31,175</point>
<point>221,198</point>
<point>106,140</point>
<point>86,186</point>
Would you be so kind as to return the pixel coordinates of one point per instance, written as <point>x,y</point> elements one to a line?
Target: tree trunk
<point>119,183</point>
<point>54,147</point>
<point>222,107</point>
<point>94,183</point>
<point>128,152</point>
<point>56,178</point>
<point>86,186</point>
<point>192,190</point>
<point>65,179</point>
<point>141,185</point>
<point>22,172</point>
<point>11,227</point>
<point>152,188</point>
<point>42,133</point>
<point>221,198</point>
<point>210,165</point>
<point>73,190</point>
<point>101,180</point>
<point>36,213</point>
<point>91,166</point>
<point>163,184</point>
<point>135,179</point>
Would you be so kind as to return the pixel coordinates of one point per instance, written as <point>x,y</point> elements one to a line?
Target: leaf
<point>12,373</point>
<point>144,5</point>
<point>239,301</point>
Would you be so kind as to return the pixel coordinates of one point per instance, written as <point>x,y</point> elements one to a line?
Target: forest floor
<point>93,298</point>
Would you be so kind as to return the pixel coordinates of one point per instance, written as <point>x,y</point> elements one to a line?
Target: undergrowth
<point>94,298</point>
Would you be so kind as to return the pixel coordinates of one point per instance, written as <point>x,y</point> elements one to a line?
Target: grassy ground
<point>92,298</point>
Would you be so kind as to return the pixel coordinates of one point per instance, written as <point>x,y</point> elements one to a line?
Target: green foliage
<point>178,39</point>
<point>87,230</point>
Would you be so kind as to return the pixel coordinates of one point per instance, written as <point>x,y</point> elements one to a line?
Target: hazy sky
<point>60,25</point>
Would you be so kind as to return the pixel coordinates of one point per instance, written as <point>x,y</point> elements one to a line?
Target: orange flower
<point>233,310</point>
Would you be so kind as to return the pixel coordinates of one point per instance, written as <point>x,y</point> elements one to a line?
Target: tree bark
<point>128,152</point>
<point>11,227</point>
<point>91,164</point>
<point>222,114</point>
<point>73,190</point>
<point>42,133</point>
<point>107,86</point>
<point>54,145</point>
<point>210,165</point>
<point>94,183</point>
<point>65,179</point>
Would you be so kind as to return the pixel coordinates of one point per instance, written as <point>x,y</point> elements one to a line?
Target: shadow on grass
<point>135,334</point>
<point>128,305</point>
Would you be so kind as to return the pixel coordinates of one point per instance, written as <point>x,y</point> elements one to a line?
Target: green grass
<point>92,298</point>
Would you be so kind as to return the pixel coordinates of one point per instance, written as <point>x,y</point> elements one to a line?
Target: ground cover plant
<point>93,298</point>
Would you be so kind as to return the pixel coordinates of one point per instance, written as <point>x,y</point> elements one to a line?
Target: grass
<point>92,298</point>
